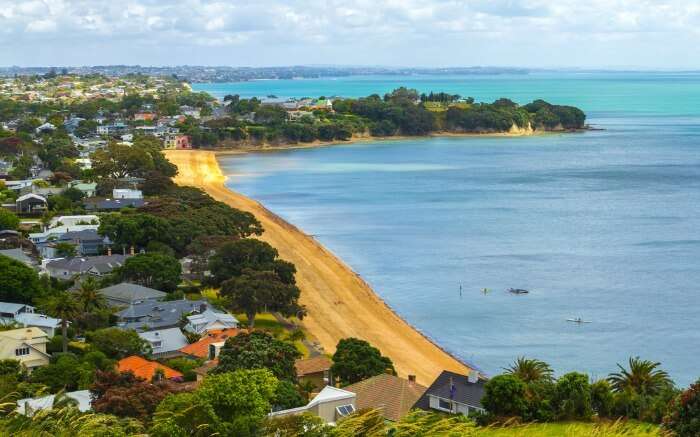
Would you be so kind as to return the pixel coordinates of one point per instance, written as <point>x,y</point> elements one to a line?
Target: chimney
<point>412,379</point>
<point>109,251</point>
<point>131,251</point>
<point>473,377</point>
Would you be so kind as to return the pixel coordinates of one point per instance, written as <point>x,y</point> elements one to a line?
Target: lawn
<point>575,429</point>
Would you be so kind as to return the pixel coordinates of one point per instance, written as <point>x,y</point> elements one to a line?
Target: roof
<point>17,255</point>
<point>113,203</point>
<point>312,365</point>
<point>393,395</point>
<point>145,369</point>
<point>24,333</point>
<point>210,316</point>
<point>103,263</point>
<point>171,339</point>
<point>30,196</point>
<point>200,348</point>
<point>128,292</point>
<point>330,393</point>
<point>9,307</point>
<point>465,392</point>
<point>154,314</point>
<point>41,320</point>
<point>46,402</point>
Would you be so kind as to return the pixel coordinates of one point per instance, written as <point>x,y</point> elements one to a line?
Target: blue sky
<point>643,34</point>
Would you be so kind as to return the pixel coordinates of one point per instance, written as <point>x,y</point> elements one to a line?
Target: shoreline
<point>340,303</point>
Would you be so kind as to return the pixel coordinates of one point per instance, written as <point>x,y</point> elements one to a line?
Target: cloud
<point>455,32</point>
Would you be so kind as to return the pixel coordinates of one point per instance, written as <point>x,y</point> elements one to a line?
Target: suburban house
<point>87,188</point>
<point>125,293</point>
<point>96,204</point>
<point>392,395</point>
<point>56,232</point>
<point>148,315</point>
<point>202,347</point>
<point>316,370</point>
<point>142,368</point>
<point>165,343</point>
<point>29,406</point>
<point>331,404</point>
<point>74,220</point>
<point>125,193</point>
<point>25,316</point>
<point>86,242</point>
<point>67,268</point>
<point>454,393</point>
<point>26,345</point>
<point>177,142</point>
<point>209,319</point>
<point>30,204</point>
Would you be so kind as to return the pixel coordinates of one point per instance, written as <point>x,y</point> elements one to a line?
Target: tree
<point>118,343</point>
<point>155,270</point>
<point>572,397</point>
<point>504,396</point>
<point>119,160</point>
<point>602,399</point>
<point>64,374</point>
<point>643,377</point>
<point>65,250</point>
<point>355,360</point>
<point>231,259</point>
<point>89,296</point>
<point>259,291</point>
<point>530,370</point>
<point>18,283</point>
<point>258,350</point>
<point>287,396</point>
<point>8,220</point>
<point>63,306</point>
<point>683,417</point>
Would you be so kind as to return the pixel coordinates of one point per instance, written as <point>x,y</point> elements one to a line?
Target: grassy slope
<point>574,430</point>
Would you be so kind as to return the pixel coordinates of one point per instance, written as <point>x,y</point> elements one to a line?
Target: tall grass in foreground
<point>616,429</point>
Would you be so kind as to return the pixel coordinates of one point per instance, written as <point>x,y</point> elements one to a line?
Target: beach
<point>340,304</point>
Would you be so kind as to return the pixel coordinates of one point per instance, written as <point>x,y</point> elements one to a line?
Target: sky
<point>637,34</point>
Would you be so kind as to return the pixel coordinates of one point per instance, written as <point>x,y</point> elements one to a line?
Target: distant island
<point>274,122</point>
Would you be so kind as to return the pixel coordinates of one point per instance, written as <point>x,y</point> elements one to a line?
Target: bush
<point>684,415</point>
<point>602,398</point>
<point>8,220</point>
<point>572,397</point>
<point>504,396</point>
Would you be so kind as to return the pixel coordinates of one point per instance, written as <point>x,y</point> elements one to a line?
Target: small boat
<point>518,291</point>
<point>485,290</point>
<point>578,320</point>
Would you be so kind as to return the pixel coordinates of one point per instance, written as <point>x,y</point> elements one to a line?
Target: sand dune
<point>340,304</point>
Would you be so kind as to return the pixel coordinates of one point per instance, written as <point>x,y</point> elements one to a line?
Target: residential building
<point>201,348</point>
<point>316,370</point>
<point>125,294</point>
<point>29,406</point>
<point>112,204</point>
<point>67,268</point>
<point>177,142</point>
<point>144,116</point>
<point>112,129</point>
<point>142,368</point>
<point>392,395</point>
<point>86,243</point>
<point>148,315</point>
<point>46,127</point>
<point>25,316</point>
<point>125,193</point>
<point>31,204</point>
<point>57,232</point>
<point>210,319</point>
<point>454,393</point>
<point>89,189</point>
<point>26,345</point>
<point>74,220</point>
<point>189,111</point>
<point>331,404</point>
<point>165,343</point>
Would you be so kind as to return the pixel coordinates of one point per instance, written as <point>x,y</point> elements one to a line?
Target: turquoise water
<point>602,225</point>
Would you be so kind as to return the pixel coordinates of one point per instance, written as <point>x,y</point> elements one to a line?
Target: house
<point>392,395</point>
<point>57,232</point>
<point>165,343</point>
<point>112,129</point>
<point>201,348</point>
<point>46,127</point>
<point>125,293</point>
<point>147,315</point>
<point>454,393</point>
<point>31,204</point>
<point>209,319</point>
<point>189,111</point>
<point>144,116</point>
<point>123,193</point>
<point>331,404</point>
<point>74,220</point>
<point>87,188</point>
<point>177,142</point>
<point>67,268</point>
<point>26,345</point>
<point>112,204</point>
<point>24,316</point>
<point>87,242</point>
<point>142,368</point>
<point>316,370</point>
<point>30,406</point>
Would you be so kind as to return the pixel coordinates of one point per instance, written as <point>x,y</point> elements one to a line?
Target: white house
<point>24,315</point>
<point>331,404</point>
<point>165,342</point>
<point>210,320</point>
<point>74,220</point>
<point>124,193</point>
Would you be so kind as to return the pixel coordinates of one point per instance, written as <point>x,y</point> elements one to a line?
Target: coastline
<point>340,303</point>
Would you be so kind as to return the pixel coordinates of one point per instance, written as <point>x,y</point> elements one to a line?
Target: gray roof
<point>171,339</point>
<point>17,255</point>
<point>152,315</point>
<point>84,235</point>
<point>9,307</point>
<point>465,392</point>
<point>126,292</point>
<point>80,265</point>
<point>111,204</point>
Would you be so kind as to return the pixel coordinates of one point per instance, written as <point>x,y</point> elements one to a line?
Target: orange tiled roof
<point>312,365</point>
<point>200,348</point>
<point>145,369</point>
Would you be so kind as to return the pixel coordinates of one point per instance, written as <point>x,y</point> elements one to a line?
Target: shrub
<point>684,415</point>
<point>504,395</point>
<point>602,399</point>
<point>573,397</point>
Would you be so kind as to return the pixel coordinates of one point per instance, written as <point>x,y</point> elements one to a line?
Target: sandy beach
<point>340,304</point>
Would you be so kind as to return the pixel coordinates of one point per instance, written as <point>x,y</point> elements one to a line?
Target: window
<point>444,404</point>
<point>21,351</point>
<point>345,410</point>
<point>156,344</point>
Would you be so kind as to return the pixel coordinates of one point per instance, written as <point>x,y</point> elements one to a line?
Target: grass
<point>574,429</point>
<point>268,322</point>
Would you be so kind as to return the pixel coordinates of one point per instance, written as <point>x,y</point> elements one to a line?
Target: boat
<point>578,320</point>
<point>518,291</point>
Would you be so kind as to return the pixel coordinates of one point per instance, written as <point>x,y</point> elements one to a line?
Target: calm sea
<point>602,225</point>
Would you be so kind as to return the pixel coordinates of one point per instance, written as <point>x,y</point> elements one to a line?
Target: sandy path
<point>339,303</point>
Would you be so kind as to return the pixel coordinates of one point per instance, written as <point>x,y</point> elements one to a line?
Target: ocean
<point>602,225</point>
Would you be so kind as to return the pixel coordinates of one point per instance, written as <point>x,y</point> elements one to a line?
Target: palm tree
<point>63,306</point>
<point>530,370</point>
<point>89,297</point>
<point>643,377</point>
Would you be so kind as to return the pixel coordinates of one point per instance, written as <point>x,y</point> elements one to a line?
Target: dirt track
<point>339,303</point>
